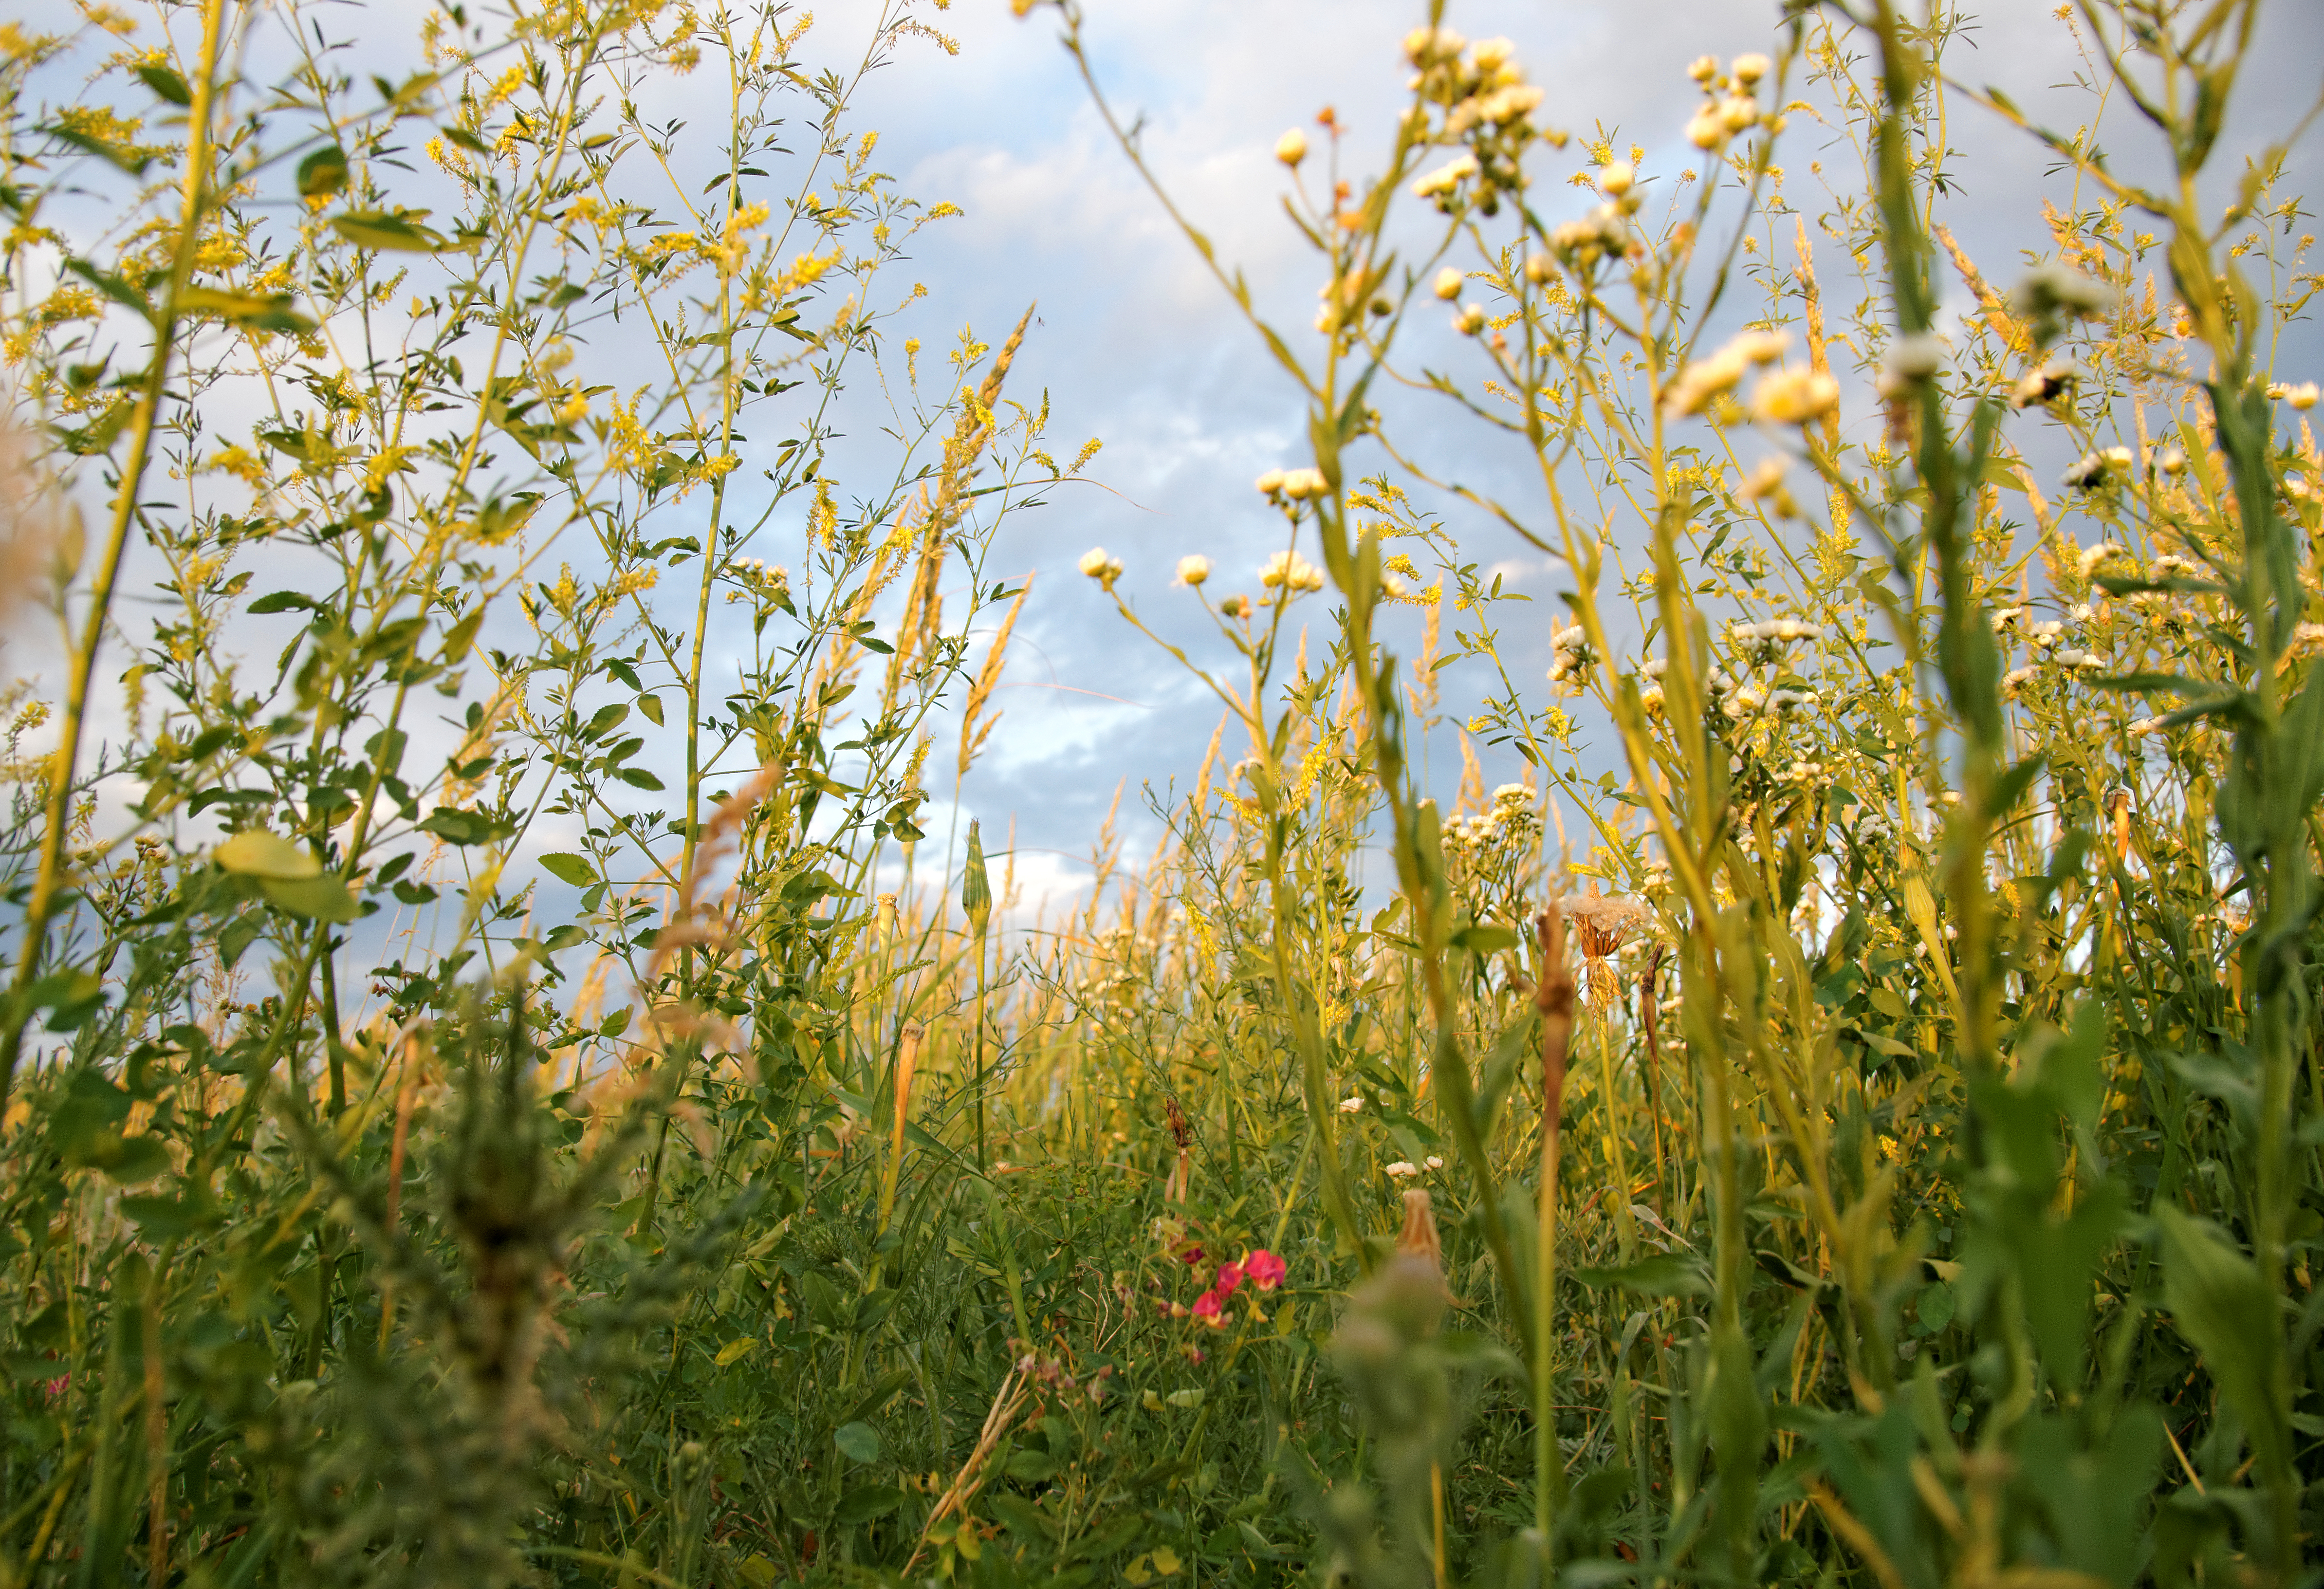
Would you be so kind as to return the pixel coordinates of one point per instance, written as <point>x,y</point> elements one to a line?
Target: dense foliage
<point>1881,1146</point>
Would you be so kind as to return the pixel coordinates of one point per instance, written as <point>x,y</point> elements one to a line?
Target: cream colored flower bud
<point>1617,179</point>
<point>1750,69</point>
<point>1703,68</point>
<point>1194,570</point>
<point>1292,147</point>
<point>1448,283</point>
<point>1470,321</point>
<point>1706,131</point>
<point>1738,111</point>
<point>1540,268</point>
<point>1269,483</point>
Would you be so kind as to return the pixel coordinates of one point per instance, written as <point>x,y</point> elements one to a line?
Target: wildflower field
<point>504,1079</point>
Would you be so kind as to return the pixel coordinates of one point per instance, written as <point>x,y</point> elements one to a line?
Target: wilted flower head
<point>1601,924</point>
<point>1353,1104</point>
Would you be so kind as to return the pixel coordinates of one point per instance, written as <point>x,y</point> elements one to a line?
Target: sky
<point>1138,345</point>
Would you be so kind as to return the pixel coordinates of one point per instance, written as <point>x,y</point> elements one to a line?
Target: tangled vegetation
<point>1878,1142</point>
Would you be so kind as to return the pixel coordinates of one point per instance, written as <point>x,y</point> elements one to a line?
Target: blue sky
<point>1139,346</point>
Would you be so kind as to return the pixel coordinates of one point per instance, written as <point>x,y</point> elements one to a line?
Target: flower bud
<point>1194,570</point>
<point>1235,606</point>
<point>1617,179</point>
<point>1292,147</point>
<point>1750,69</point>
<point>1470,320</point>
<point>1703,68</point>
<point>1269,483</point>
<point>1093,562</point>
<point>1448,283</point>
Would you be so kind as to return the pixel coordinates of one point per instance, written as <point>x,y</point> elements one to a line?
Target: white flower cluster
<point>2090,470</point>
<point>760,579</point>
<point>1706,378</point>
<point>1513,821</point>
<point>1292,484</point>
<point>2087,558</point>
<point>1102,568</point>
<point>1729,105</point>
<point>1604,233</point>
<point>2042,384</point>
<point>1571,659</point>
<point>1910,363</point>
<point>1292,572</point>
<point>1487,102</point>
<point>1766,639</point>
<point>2302,396</point>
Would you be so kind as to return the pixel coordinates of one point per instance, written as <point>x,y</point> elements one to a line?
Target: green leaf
<point>858,1441</point>
<point>323,172</point>
<point>734,1351</point>
<point>1666,1274</point>
<point>639,778</point>
<point>874,1500</point>
<point>261,311</point>
<point>166,84</point>
<point>1484,938</point>
<point>325,898</point>
<point>381,229</point>
<point>283,601</point>
<point>2220,1303</point>
<point>256,853</point>
<point>568,868</point>
<point>457,826</point>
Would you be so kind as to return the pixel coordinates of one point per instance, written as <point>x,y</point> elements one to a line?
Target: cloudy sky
<point>1138,345</point>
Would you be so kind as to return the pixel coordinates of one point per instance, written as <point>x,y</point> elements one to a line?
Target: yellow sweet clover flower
<point>239,462</point>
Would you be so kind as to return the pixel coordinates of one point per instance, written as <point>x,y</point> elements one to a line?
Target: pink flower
<point>1193,1255</point>
<point>1207,1308</point>
<point>1229,1277</point>
<point>1265,1269</point>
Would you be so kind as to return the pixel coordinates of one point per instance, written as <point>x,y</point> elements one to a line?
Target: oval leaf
<point>568,868</point>
<point>860,1441</point>
<point>325,898</point>
<point>256,853</point>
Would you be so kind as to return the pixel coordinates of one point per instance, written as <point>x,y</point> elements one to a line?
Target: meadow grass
<point>1871,1136</point>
